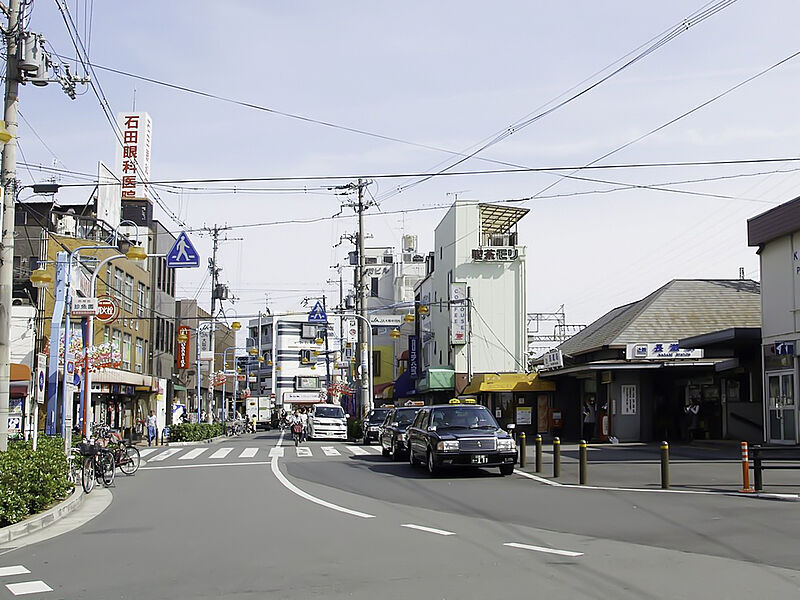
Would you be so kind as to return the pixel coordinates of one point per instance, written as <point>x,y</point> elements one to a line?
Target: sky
<point>439,78</point>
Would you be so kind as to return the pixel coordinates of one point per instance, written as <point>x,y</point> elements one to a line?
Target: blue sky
<point>444,74</point>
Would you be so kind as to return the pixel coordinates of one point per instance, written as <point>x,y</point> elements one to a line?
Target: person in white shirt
<point>152,431</point>
<point>304,421</point>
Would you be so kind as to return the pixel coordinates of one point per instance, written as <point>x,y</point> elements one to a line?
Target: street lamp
<point>395,334</point>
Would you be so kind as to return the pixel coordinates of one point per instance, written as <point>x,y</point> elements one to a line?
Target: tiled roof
<point>681,308</point>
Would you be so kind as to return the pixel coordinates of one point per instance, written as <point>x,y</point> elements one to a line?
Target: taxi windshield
<point>378,415</point>
<point>462,417</point>
<point>405,416</point>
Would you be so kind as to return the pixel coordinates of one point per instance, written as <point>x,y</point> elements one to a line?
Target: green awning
<point>180,388</point>
<point>437,380</point>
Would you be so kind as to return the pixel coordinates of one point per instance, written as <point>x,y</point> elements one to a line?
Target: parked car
<point>458,434</point>
<point>392,435</point>
<point>372,423</point>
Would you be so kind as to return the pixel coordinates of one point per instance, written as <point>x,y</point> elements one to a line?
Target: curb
<point>42,520</point>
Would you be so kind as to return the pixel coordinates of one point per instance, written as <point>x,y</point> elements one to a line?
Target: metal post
<point>746,470</point>
<point>664,465</point>
<point>366,370</point>
<point>9,182</point>
<point>538,453</point>
<point>583,459</point>
<point>556,457</point>
<point>757,474</point>
<point>197,352</point>
<point>522,450</point>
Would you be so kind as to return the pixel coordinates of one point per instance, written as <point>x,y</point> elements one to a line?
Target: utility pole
<point>361,293</point>
<point>9,183</point>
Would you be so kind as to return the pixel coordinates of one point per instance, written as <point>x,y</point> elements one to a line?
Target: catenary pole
<point>9,183</point>
<point>366,371</point>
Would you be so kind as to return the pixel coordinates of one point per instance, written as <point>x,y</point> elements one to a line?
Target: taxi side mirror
<point>432,428</point>
<point>347,415</point>
<point>395,423</point>
<point>512,425</point>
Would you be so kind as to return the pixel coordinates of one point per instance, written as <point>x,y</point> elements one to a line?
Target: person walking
<point>152,432</point>
<point>589,420</point>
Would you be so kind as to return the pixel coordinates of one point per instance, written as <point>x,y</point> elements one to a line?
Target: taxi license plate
<point>480,459</point>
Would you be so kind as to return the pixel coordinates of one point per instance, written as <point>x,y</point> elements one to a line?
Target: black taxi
<point>462,434</point>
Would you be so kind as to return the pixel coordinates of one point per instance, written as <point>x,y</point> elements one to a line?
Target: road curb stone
<point>42,520</point>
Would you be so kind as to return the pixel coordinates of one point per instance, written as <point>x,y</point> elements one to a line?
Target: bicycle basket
<point>297,428</point>
<point>86,449</point>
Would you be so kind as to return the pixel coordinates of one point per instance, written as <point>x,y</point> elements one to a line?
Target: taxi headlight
<point>506,444</point>
<point>373,428</point>
<point>447,445</point>
<point>402,437</point>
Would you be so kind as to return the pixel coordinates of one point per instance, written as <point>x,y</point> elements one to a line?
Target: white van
<point>327,421</point>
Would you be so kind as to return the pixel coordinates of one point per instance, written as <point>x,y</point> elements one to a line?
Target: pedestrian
<point>304,421</point>
<point>589,420</point>
<point>151,429</point>
<point>692,410</point>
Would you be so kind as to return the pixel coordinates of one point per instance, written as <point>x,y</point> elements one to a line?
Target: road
<point>244,519</point>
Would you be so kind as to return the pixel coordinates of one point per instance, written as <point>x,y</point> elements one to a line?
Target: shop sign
<point>458,313</point>
<point>41,377</point>
<point>386,320</point>
<point>301,396</point>
<point>554,359</point>
<point>133,157</point>
<point>182,354</point>
<point>84,307</point>
<point>413,356</point>
<point>204,332</point>
<point>107,309</point>
<point>661,351</point>
<point>350,331</point>
<point>524,415</point>
<point>495,254</point>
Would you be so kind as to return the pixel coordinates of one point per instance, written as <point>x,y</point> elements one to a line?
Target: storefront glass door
<point>782,410</point>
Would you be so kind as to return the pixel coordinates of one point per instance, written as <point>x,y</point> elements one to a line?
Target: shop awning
<point>404,386</point>
<point>437,380</point>
<point>383,390</point>
<point>178,387</point>
<point>120,376</point>
<point>508,382</point>
<point>20,377</point>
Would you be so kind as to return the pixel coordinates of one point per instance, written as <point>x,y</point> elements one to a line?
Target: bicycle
<point>126,457</point>
<point>97,465</point>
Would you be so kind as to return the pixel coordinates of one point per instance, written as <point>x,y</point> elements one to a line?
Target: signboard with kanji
<point>458,313</point>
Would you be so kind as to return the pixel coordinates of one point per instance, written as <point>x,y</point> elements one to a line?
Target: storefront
<point>435,386</point>
<point>520,398</point>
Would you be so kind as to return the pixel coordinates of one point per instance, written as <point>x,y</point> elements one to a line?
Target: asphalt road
<point>339,521</point>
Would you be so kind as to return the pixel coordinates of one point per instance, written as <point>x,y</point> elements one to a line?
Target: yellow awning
<point>508,382</point>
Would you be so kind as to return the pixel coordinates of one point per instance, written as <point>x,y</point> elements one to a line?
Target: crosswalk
<point>22,588</point>
<point>155,455</point>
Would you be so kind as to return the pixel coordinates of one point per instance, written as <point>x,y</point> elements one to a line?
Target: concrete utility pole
<point>9,183</point>
<point>366,367</point>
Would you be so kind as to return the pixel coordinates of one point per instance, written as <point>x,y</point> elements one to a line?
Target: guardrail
<point>778,454</point>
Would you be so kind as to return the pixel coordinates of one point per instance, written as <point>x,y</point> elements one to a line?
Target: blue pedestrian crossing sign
<point>183,254</point>
<point>317,315</point>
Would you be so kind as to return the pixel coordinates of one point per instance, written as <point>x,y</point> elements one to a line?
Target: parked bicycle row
<point>97,458</point>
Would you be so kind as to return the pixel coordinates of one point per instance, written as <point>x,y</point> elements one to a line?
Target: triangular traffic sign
<point>317,315</point>
<point>183,254</point>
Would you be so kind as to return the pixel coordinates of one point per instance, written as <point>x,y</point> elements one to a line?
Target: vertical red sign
<point>182,355</point>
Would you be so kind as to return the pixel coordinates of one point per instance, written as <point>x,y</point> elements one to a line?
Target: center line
<point>428,529</point>
<point>545,550</point>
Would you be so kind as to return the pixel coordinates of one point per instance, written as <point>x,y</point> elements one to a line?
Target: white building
<point>475,287</point>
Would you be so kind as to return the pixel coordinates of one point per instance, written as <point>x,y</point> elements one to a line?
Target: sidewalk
<point>706,466</point>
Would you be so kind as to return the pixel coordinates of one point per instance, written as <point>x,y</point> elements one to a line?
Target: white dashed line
<point>330,451</point>
<point>537,478</point>
<point>28,587</point>
<point>428,529</point>
<point>145,451</point>
<point>357,450</point>
<point>276,451</point>
<point>302,451</point>
<point>193,454</point>
<point>15,570</point>
<point>221,453</point>
<point>248,453</point>
<point>543,549</point>
<point>165,455</point>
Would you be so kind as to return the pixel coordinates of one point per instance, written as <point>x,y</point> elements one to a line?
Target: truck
<point>260,412</point>
<point>327,421</point>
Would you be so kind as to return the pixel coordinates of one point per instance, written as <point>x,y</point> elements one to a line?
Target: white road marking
<point>15,570</point>
<point>221,453</point>
<point>193,454</point>
<point>537,478</point>
<point>280,439</point>
<point>248,453</point>
<point>428,529</point>
<point>296,490</point>
<point>28,587</point>
<point>302,451</point>
<point>165,455</point>
<point>543,549</point>
<point>330,451</point>
<point>145,451</point>
<point>217,464</point>
<point>357,450</point>
<point>276,451</point>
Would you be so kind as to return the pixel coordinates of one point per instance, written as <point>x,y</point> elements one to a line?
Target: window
<point>116,339</point>
<point>388,259</point>
<point>106,334</point>
<point>266,331</point>
<point>159,333</point>
<point>118,277</point>
<point>370,260</point>
<point>140,300</point>
<point>139,355</point>
<point>629,400</point>
<point>170,337</point>
<point>376,363</point>
<point>267,355</point>
<point>128,293</point>
<point>126,351</point>
<point>306,383</point>
<point>253,332</point>
<point>373,287</point>
<point>308,331</point>
<point>305,357</point>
